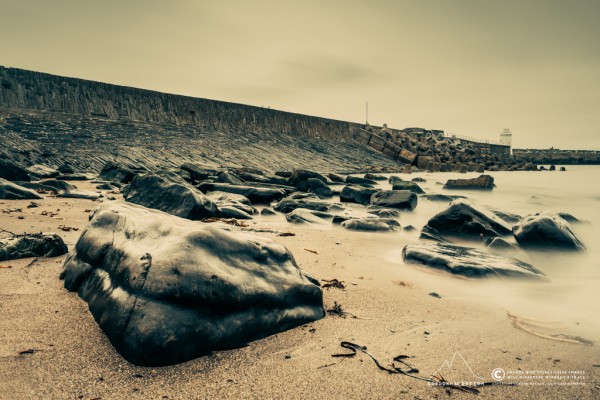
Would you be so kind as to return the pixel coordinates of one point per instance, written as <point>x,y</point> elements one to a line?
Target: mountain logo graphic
<point>456,364</point>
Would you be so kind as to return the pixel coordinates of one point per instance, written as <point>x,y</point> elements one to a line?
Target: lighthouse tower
<point>506,138</point>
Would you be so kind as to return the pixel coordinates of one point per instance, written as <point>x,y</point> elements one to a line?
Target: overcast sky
<point>471,67</point>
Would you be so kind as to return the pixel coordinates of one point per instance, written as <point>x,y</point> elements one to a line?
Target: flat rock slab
<point>257,195</point>
<point>32,245</point>
<point>482,182</point>
<point>12,191</point>
<point>166,290</point>
<point>304,215</point>
<point>467,261</point>
<point>372,224</point>
<point>441,197</point>
<point>79,194</point>
<point>288,205</point>
<point>546,231</point>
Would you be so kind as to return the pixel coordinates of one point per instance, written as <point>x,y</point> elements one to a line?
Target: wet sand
<point>394,312</point>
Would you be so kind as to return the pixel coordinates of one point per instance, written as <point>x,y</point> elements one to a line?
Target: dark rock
<point>569,218</point>
<point>178,198</point>
<point>74,177</point>
<point>503,247</point>
<point>256,195</point>
<point>288,205</point>
<point>106,186</point>
<point>300,178</point>
<point>336,178</point>
<point>383,212</point>
<point>49,185</point>
<point>232,205</point>
<point>79,194</point>
<point>375,177</point>
<point>267,211</point>
<point>393,179</point>
<point>372,224</point>
<point>319,188</point>
<point>552,168</point>
<point>409,228</point>
<point>418,179</point>
<point>248,177</point>
<point>355,180</point>
<point>405,185</point>
<point>12,172</point>
<point>357,194</point>
<point>228,211</point>
<point>466,261</point>
<point>198,172</point>
<point>166,290</point>
<point>546,231</point>
<point>401,199</point>
<point>12,191</point>
<point>462,219</point>
<point>248,170</point>
<point>284,174</point>
<point>66,169</point>
<point>482,182</point>
<point>304,215</point>
<point>442,197</point>
<point>32,245</point>
<point>563,169</point>
<point>505,215</point>
<point>229,177</point>
<point>116,173</point>
<point>39,171</point>
<point>428,233</point>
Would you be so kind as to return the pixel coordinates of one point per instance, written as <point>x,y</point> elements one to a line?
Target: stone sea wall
<point>22,89</point>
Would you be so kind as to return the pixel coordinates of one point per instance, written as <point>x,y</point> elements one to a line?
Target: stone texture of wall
<point>23,89</point>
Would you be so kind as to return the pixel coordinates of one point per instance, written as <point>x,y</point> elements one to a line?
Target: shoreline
<point>72,357</point>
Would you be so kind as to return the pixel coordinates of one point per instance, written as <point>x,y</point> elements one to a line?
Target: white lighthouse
<point>506,137</point>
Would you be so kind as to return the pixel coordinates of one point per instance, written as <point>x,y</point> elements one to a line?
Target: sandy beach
<point>51,347</point>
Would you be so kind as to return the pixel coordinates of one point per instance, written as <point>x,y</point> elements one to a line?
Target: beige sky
<point>469,67</point>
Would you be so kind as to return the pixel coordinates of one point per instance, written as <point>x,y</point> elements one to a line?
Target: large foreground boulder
<point>462,219</point>
<point>401,199</point>
<point>546,231</point>
<point>32,245</point>
<point>166,290</point>
<point>169,195</point>
<point>482,182</point>
<point>12,191</point>
<point>467,261</point>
